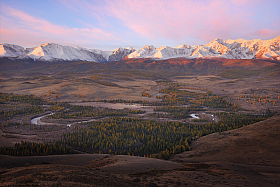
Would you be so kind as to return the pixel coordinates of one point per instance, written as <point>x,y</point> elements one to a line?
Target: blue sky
<point>109,24</point>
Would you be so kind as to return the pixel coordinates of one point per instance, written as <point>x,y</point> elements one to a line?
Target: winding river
<point>194,116</point>
<point>37,121</point>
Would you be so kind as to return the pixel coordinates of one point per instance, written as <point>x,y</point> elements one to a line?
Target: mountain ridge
<point>218,48</point>
<point>230,49</point>
<point>55,52</point>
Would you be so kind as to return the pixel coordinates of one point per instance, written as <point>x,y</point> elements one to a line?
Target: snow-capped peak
<point>183,46</point>
<point>231,49</point>
<point>56,52</point>
<point>11,50</point>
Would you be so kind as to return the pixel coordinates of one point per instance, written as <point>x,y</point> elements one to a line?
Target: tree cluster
<point>132,136</point>
<point>26,111</point>
<point>31,99</point>
<point>89,111</point>
<point>35,149</point>
<point>175,96</point>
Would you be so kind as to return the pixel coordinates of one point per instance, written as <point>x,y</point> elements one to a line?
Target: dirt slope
<point>248,156</point>
<point>256,144</point>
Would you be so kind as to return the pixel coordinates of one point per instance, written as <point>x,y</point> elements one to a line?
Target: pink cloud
<point>176,20</point>
<point>266,33</point>
<point>146,21</point>
<point>21,27</point>
<point>240,2</point>
<point>180,19</point>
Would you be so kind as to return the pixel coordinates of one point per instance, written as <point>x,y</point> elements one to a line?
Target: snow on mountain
<point>145,52</point>
<point>55,52</point>
<point>230,49</point>
<point>10,50</point>
<point>120,53</point>
<point>162,52</point>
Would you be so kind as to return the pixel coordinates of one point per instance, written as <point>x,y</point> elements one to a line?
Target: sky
<point>109,24</point>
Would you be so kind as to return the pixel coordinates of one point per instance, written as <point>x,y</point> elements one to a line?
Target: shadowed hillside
<point>174,65</point>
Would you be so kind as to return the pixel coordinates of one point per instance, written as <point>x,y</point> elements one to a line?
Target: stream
<point>194,116</point>
<point>37,121</point>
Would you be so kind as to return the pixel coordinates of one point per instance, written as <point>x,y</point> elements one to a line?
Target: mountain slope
<point>10,50</point>
<point>230,49</point>
<point>55,52</point>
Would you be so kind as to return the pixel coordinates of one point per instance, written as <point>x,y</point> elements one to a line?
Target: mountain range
<point>229,49</point>
<point>55,52</point>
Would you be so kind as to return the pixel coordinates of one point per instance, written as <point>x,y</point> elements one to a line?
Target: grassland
<point>120,89</point>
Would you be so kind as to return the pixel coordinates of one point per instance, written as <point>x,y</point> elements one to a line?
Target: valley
<point>126,93</point>
<point>125,120</point>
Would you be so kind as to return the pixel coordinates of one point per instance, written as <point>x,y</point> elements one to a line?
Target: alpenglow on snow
<point>230,49</point>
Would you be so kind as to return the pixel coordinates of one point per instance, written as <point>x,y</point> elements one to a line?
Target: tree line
<point>89,111</point>
<point>10,97</point>
<point>32,107</point>
<point>30,110</point>
<point>35,149</point>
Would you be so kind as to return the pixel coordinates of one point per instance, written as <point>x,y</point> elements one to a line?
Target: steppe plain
<point>247,156</point>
